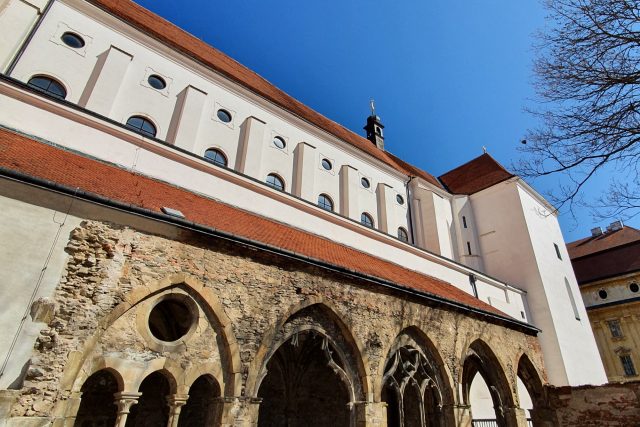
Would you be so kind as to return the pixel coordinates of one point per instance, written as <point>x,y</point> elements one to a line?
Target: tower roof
<point>474,176</point>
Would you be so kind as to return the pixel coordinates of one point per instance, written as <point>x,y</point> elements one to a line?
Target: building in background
<point>185,240</point>
<point>607,267</point>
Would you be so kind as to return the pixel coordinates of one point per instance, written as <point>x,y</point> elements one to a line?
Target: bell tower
<point>375,128</point>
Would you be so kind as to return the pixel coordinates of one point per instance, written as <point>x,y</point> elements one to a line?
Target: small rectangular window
<point>557,251</point>
<point>615,328</point>
<point>469,248</point>
<point>627,365</point>
<point>464,221</point>
<point>576,314</point>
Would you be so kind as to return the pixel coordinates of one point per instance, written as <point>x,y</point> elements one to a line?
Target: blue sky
<point>448,76</point>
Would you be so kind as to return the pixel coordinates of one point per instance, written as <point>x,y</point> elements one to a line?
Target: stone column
<point>175,402</point>
<point>304,171</point>
<point>102,89</point>
<point>237,411</point>
<point>125,400</point>
<point>462,415</point>
<point>348,195</point>
<point>186,118</point>
<point>370,414</point>
<point>514,417</point>
<point>249,159</point>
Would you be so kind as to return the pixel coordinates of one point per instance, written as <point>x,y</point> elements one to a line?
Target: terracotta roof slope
<point>605,241</point>
<point>171,35</point>
<point>476,175</point>
<point>612,262</point>
<point>27,156</point>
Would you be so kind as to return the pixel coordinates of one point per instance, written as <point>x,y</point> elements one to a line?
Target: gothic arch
<point>414,368</point>
<point>532,381</point>
<point>479,359</point>
<point>273,339</point>
<point>308,356</point>
<point>80,365</point>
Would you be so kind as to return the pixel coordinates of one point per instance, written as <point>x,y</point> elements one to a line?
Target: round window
<point>602,294</point>
<point>279,142</point>
<point>327,164</point>
<point>633,287</point>
<point>72,40</point>
<point>170,320</point>
<point>224,116</point>
<point>399,199</point>
<point>156,82</point>
<point>365,182</point>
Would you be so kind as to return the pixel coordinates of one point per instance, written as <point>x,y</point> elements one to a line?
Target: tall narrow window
<point>403,235</point>
<point>557,251</point>
<point>468,248</point>
<point>573,301</point>
<point>615,328</point>
<point>472,282</point>
<point>48,85</point>
<point>141,125</point>
<point>464,221</point>
<point>627,365</point>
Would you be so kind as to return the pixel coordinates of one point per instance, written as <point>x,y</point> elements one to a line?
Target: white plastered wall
<point>517,236</point>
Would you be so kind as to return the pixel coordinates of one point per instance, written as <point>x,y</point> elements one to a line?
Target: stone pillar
<point>175,402</point>
<point>383,199</point>
<point>249,159</point>
<point>304,171</point>
<point>187,115</point>
<point>125,400</point>
<point>237,411</point>
<point>514,417</point>
<point>462,415</point>
<point>102,89</point>
<point>348,195</point>
<point>370,414</point>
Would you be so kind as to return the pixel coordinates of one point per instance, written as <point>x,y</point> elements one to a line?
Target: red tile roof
<point>40,160</point>
<point>611,254</point>
<point>171,35</point>
<point>476,175</point>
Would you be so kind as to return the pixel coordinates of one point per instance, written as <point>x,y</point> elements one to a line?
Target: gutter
<point>26,42</point>
<point>93,198</point>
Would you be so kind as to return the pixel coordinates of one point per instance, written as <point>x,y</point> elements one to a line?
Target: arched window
<point>275,181</point>
<point>366,220</point>
<point>325,202</point>
<point>141,125</point>
<point>216,157</point>
<point>403,235</point>
<point>48,85</point>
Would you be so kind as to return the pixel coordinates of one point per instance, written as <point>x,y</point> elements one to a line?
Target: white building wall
<point>517,234</point>
<point>17,17</point>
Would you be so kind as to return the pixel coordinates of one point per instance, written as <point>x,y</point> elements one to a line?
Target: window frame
<point>323,205</point>
<point>615,328</point>
<point>406,234</point>
<point>139,130</point>
<point>277,177</point>
<point>47,91</point>
<point>218,152</point>
<point>628,368</point>
<point>367,220</point>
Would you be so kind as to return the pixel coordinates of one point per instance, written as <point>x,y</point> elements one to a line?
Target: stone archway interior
<point>303,387</point>
<point>481,400</point>
<point>200,408</point>
<point>97,407</point>
<point>524,397</point>
<point>411,390</point>
<point>152,408</point>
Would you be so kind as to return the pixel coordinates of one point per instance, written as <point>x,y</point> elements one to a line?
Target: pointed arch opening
<point>200,410</point>
<point>531,392</point>
<point>415,385</point>
<point>152,408</point>
<point>97,403</point>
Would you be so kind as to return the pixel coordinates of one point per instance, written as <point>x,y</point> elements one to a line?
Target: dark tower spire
<point>374,128</point>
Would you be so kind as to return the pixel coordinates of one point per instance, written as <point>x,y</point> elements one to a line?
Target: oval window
<point>399,199</point>
<point>365,182</point>
<point>602,294</point>
<point>327,164</point>
<point>279,142</point>
<point>72,40</point>
<point>633,287</point>
<point>156,82</point>
<point>170,320</point>
<point>224,116</point>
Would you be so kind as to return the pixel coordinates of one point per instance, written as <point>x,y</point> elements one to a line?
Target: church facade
<point>186,245</point>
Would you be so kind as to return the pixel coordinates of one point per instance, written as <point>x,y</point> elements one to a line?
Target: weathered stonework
<point>248,304</point>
